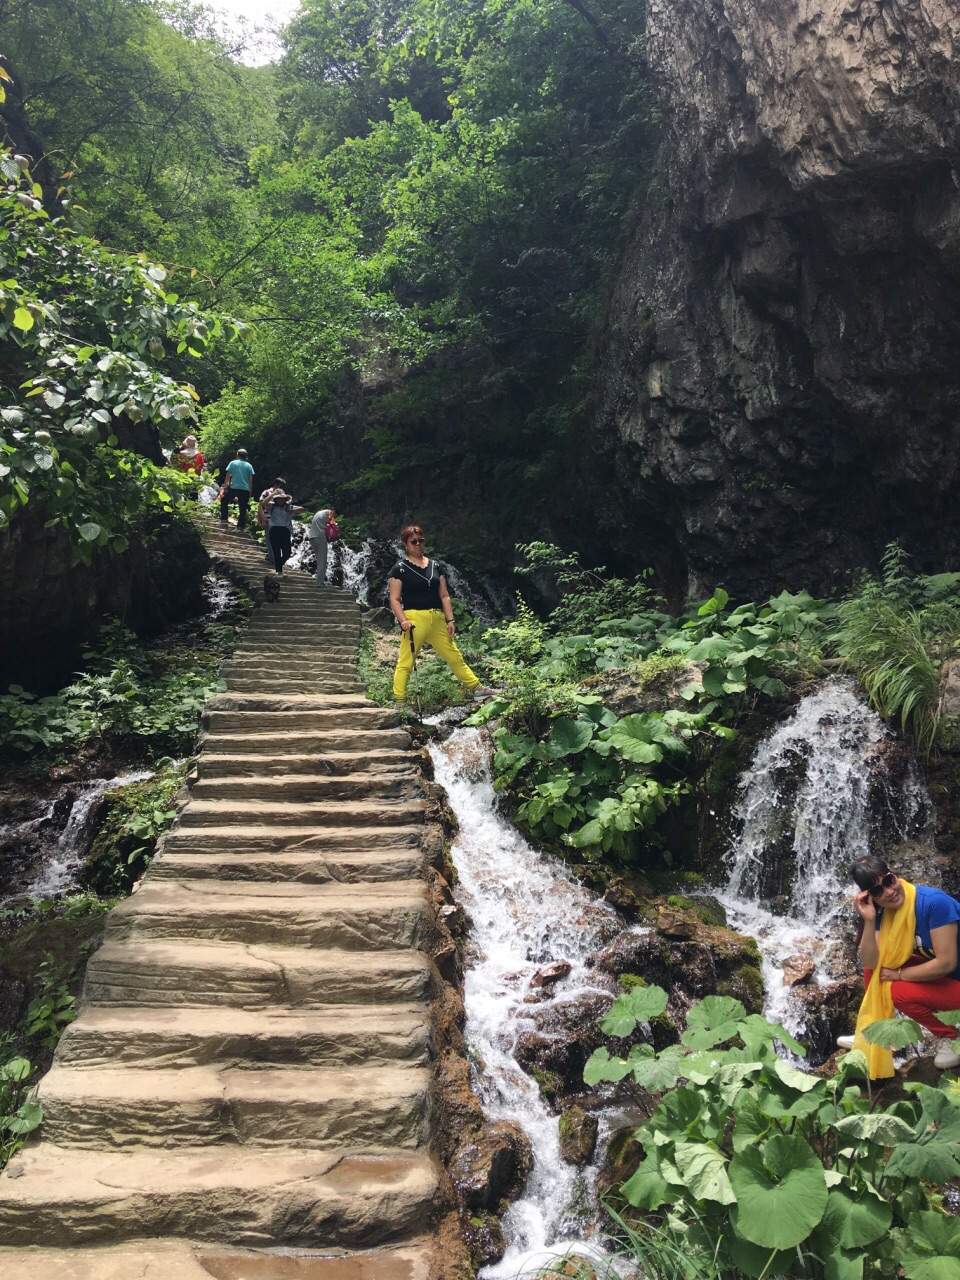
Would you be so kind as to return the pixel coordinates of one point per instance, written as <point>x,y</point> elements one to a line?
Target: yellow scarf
<point>895,942</point>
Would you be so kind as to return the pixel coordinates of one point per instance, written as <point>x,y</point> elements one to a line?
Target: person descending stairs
<point>250,1071</point>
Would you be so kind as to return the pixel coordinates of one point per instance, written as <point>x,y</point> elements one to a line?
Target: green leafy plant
<point>53,1007</point>
<point>894,632</point>
<point>19,1115</point>
<point>763,1170</point>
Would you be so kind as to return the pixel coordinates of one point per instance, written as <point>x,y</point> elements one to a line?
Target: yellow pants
<point>429,628</point>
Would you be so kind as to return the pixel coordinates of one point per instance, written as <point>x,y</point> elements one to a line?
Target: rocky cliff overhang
<point>781,379</point>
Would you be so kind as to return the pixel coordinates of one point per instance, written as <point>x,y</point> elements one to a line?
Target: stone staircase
<point>246,1092</point>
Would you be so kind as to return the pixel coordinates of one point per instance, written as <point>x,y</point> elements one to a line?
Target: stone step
<point>292,720</point>
<point>150,1259</point>
<point>164,974</point>
<point>368,866</point>
<point>345,813</point>
<point>255,839</point>
<point>316,788</point>
<point>71,1196</point>
<point>212,764</point>
<point>303,1107</point>
<point>273,666</point>
<point>295,702</point>
<point>350,1036</point>
<point>378,917</point>
<point>320,745</point>
<point>292,683</point>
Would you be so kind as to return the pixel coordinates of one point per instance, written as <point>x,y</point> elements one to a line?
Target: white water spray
<point>60,871</point>
<point>806,798</point>
<point>526,910</point>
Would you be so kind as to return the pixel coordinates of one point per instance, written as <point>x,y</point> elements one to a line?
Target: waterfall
<point>806,808</point>
<point>526,910</point>
<point>63,858</point>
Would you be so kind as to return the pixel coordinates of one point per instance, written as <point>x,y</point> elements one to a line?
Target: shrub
<point>757,1167</point>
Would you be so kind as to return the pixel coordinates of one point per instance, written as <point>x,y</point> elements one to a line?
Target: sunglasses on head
<point>888,881</point>
<point>415,541</point>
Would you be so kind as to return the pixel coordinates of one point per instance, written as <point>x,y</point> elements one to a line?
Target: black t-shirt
<point>419,587</point>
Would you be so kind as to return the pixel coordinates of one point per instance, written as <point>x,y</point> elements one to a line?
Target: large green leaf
<point>778,1101</point>
<point>893,1033</point>
<point>601,1066</point>
<point>658,1071</point>
<point>878,1127</point>
<point>853,1220</point>
<point>781,1192</point>
<point>640,1004</point>
<point>712,1021</point>
<point>802,1081</point>
<point>754,1261</point>
<point>568,736</point>
<point>939,1114</point>
<point>704,1171</point>
<point>750,1124</point>
<point>933,1251</point>
<point>931,1161</point>
<point>756,1031</point>
<point>647,1189</point>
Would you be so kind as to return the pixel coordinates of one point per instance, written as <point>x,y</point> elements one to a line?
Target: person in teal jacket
<point>237,485</point>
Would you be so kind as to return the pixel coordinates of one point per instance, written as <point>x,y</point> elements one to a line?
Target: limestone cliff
<point>781,373</point>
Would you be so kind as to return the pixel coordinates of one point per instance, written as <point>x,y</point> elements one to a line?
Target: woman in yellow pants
<point>420,600</point>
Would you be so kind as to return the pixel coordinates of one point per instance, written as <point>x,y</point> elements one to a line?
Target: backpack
<point>332,529</point>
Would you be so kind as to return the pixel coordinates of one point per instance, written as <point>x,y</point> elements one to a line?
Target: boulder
<point>797,970</point>
<point>549,974</point>
<point>578,1135</point>
<point>490,1168</point>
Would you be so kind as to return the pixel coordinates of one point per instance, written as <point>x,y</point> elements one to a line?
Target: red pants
<point>921,1000</point>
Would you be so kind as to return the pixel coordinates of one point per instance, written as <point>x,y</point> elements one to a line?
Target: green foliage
<point>126,693</point>
<point>756,1168</point>
<point>84,331</point>
<point>19,1115</point>
<point>53,1007</point>
<point>136,817</point>
<point>894,632</point>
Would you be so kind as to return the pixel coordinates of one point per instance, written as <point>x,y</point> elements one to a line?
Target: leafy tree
<point>84,405</point>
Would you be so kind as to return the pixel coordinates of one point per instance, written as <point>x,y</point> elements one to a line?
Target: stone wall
<point>781,372</point>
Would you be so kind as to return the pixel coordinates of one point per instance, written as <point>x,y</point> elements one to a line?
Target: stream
<point>526,911</point>
<point>817,794</point>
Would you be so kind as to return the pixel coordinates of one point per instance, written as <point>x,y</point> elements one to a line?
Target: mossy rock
<point>550,1083</point>
<point>738,965</point>
<point>128,826</point>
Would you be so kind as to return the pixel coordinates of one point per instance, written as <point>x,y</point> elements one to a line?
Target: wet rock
<point>797,970</point>
<point>489,1170</point>
<point>578,1135</point>
<point>719,962</point>
<point>677,924</point>
<point>633,895</point>
<point>621,1158</point>
<point>827,1012</point>
<point>483,1237</point>
<point>550,973</point>
<point>561,1037</point>
<point>921,863</point>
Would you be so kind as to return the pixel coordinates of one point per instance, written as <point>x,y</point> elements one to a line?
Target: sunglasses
<point>415,542</point>
<point>888,882</point>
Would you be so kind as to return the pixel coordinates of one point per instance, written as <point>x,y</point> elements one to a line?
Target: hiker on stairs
<point>238,483</point>
<point>322,531</point>
<point>280,528</point>
<point>420,601</point>
<point>263,513</point>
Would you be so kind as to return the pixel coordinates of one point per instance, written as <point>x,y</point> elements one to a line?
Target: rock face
<point>781,378</point>
<point>60,603</point>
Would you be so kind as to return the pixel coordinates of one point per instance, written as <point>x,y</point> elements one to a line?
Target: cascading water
<point>808,802</point>
<point>526,910</point>
<point>62,860</point>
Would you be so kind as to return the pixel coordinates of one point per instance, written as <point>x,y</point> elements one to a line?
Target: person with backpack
<point>322,532</point>
<point>238,483</point>
<point>280,528</point>
<point>421,604</point>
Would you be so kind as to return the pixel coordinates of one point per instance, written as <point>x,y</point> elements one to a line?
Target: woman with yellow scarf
<point>910,961</point>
